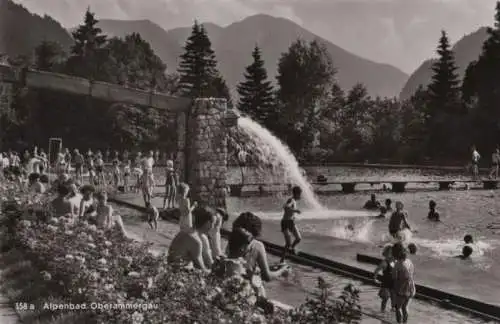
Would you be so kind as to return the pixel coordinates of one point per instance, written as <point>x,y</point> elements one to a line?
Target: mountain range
<point>21,31</point>
<point>233,45</point>
<point>466,50</point>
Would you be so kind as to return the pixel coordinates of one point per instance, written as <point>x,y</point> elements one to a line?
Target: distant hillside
<point>233,45</point>
<point>21,31</point>
<point>466,50</point>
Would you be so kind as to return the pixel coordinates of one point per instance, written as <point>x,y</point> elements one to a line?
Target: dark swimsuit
<point>395,223</point>
<point>287,225</point>
<point>387,281</point>
<point>170,179</point>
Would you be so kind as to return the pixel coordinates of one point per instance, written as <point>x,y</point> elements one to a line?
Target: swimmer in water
<point>398,221</point>
<point>468,239</point>
<point>388,205</point>
<point>433,215</point>
<point>466,253</point>
<point>412,248</point>
<point>383,212</point>
<point>372,204</point>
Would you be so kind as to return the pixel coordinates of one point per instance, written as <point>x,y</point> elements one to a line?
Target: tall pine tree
<point>88,54</point>
<point>256,92</point>
<point>444,89</point>
<point>444,108</point>
<point>198,72</point>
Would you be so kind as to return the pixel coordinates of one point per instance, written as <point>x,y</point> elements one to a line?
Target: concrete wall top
<point>100,90</point>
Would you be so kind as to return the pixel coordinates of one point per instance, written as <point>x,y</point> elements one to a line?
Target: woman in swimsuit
<point>171,183</point>
<point>105,219</point>
<point>244,244</point>
<point>87,208</point>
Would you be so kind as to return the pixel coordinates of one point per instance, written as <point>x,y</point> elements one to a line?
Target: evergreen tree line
<point>440,122</point>
<point>305,107</point>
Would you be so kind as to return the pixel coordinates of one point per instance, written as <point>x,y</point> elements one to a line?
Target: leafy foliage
<point>305,76</point>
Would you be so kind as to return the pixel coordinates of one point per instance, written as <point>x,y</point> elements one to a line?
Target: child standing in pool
<point>386,283</point>
<point>288,226</point>
<point>433,215</point>
<point>398,221</point>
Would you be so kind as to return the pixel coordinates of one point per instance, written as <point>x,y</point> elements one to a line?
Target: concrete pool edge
<point>424,292</point>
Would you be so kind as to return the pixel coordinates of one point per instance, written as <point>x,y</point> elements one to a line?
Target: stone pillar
<point>208,151</point>
<point>181,145</point>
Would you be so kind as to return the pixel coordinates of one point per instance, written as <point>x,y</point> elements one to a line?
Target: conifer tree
<point>256,92</point>
<point>444,108</point>
<point>444,89</point>
<point>198,66</point>
<point>88,53</point>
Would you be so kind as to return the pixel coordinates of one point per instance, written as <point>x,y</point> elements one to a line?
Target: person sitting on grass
<point>87,206</point>
<point>372,204</point>
<point>35,185</point>
<point>193,247</point>
<point>61,205</point>
<point>105,218</point>
<point>248,255</point>
<point>153,215</point>
<point>433,215</point>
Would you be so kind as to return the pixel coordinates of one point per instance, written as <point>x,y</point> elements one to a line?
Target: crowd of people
<point>78,186</point>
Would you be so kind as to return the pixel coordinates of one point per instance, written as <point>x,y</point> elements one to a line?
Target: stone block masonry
<point>207,151</point>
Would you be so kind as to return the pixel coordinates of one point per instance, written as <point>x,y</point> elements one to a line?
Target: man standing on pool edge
<point>288,225</point>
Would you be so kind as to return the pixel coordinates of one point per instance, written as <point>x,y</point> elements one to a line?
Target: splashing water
<point>353,232</point>
<point>277,154</point>
<point>453,247</point>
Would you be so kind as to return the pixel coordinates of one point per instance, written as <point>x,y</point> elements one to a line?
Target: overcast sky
<point>399,32</point>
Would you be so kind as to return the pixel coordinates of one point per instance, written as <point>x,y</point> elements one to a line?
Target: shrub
<point>120,281</point>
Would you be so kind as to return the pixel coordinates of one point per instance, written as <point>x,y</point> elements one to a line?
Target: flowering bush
<point>118,280</point>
